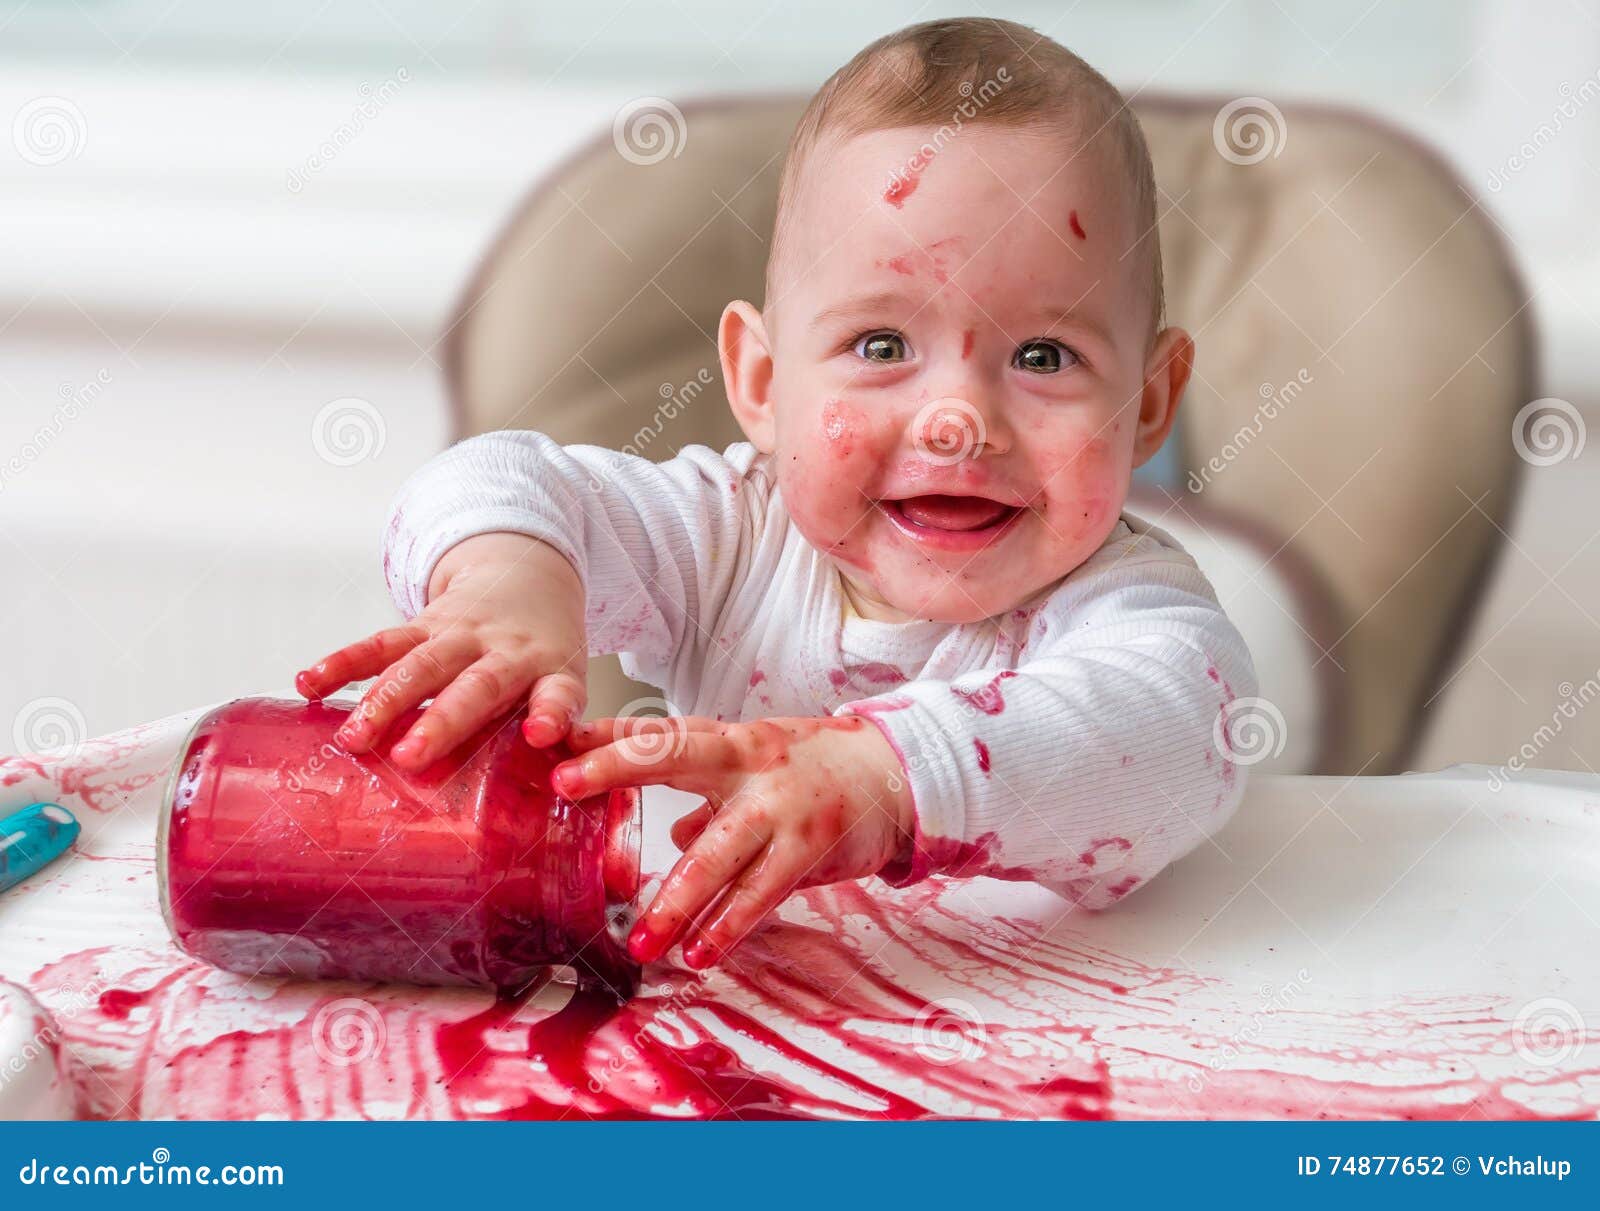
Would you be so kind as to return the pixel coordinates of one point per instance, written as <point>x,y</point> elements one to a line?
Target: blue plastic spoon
<point>33,838</point>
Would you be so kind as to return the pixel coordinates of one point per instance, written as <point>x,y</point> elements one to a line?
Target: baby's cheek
<point>1088,489</point>
<point>827,469</point>
<point>838,432</point>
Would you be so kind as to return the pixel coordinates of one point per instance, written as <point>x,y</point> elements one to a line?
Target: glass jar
<point>282,854</point>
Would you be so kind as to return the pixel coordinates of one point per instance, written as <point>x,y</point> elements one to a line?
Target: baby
<point>908,627</point>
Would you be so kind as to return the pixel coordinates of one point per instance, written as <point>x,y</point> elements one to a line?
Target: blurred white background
<point>189,280</point>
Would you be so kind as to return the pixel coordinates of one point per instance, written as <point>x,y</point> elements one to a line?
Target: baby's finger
<point>482,691</point>
<point>556,700</point>
<point>761,888</point>
<point>423,672</point>
<point>596,733</point>
<point>357,661</point>
<point>724,849</point>
<point>686,828</point>
<point>701,763</point>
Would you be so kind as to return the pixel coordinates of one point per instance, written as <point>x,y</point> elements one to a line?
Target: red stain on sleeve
<point>966,344</point>
<point>989,700</point>
<point>1120,844</point>
<point>1077,227</point>
<point>983,754</point>
<point>966,859</point>
<point>881,706</point>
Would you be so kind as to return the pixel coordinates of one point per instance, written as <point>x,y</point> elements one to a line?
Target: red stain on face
<point>934,257</point>
<point>1077,227</point>
<point>902,187</point>
<point>838,428</point>
<point>966,344</point>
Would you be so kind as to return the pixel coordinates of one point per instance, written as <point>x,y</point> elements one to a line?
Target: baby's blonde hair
<point>977,69</point>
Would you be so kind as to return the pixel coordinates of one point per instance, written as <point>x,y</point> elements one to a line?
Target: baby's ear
<point>746,354</point>
<point>1166,374</point>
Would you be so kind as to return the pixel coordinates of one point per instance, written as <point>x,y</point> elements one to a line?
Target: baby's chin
<point>931,596</point>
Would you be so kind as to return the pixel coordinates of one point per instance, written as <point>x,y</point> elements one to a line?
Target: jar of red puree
<point>282,854</point>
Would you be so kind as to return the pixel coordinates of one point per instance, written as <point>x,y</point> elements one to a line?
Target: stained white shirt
<point>1080,740</point>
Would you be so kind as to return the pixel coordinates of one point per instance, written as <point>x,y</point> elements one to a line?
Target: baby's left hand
<point>790,803</point>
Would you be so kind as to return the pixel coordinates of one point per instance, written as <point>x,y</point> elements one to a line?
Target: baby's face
<point>958,362</point>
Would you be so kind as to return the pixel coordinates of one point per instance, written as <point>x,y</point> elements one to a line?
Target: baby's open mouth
<point>951,521</point>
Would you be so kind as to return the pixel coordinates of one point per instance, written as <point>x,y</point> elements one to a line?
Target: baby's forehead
<point>992,190</point>
<point>893,167</point>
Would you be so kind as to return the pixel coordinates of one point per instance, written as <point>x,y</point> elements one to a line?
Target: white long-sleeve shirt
<point>1079,740</point>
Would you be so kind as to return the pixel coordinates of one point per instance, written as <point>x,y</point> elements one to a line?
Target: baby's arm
<point>1096,762</point>
<point>514,558</point>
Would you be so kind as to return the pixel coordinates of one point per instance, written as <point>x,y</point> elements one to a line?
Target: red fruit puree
<point>282,854</point>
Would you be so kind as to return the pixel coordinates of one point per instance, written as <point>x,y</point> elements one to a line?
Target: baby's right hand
<point>504,619</point>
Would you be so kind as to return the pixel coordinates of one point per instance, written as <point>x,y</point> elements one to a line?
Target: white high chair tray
<point>1418,946</point>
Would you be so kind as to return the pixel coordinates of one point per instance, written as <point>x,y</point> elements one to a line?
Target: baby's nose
<point>953,428</point>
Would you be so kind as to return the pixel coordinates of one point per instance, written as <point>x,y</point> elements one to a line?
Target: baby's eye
<point>882,347</point>
<point>1044,357</point>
